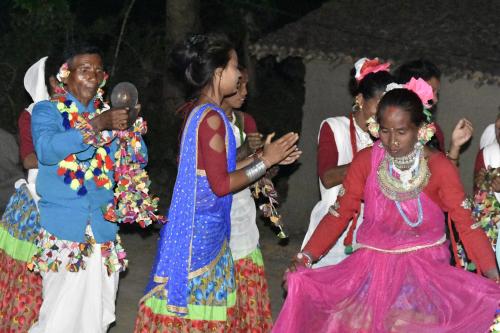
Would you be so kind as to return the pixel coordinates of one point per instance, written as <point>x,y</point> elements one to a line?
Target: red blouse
<point>444,188</point>
<point>328,154</point>
<point>479,162</point>
<point>249,125</point>
<point>25,140</point>
<point>440,137</point>
<point>214,161</point>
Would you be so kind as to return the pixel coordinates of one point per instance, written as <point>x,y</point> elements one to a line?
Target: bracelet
<point>255,170</point>
<point>451,158</point>
<point>305,259</point>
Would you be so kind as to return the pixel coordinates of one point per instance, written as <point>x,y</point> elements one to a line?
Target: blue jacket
<point>63,212</point>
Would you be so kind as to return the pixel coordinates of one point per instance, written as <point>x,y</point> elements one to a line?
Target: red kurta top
<point>25,140</point>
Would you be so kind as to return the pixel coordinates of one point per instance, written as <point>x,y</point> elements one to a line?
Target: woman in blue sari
<point>192,285</point>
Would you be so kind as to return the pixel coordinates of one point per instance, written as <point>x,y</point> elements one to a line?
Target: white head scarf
<point>488,137</point>
<point>34,83</point>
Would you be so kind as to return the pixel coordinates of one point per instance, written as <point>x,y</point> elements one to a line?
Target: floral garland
<point>486,210</point>
<point>486,215</point>
<point>51,252</point>
<point>132,201</point>
<point>265,187</point>
<point>76,172</point>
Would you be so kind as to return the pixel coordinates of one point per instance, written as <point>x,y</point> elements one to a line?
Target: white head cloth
<point>488,137</point>
<point>34,83</point>
<point>357,67</point>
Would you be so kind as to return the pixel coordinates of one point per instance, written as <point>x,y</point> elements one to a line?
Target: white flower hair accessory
<point>63,72</point>
<point>393,85</point>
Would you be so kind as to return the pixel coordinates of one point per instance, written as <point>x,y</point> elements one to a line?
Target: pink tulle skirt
<point>375,292</point>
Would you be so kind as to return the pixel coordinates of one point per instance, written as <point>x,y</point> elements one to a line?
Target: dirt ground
<point>141,249</point>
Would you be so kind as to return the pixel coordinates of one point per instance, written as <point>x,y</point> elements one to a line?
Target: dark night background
<point>32,29</point>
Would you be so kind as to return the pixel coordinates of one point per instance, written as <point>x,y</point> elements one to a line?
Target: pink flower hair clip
<point>422,89</point>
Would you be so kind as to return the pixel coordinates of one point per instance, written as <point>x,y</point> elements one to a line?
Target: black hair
<point>406,100</point>
<point>420,68</point>
<point>52,66</point>
<point>80,48</point>
<point>371,85</point>
<point>197,58</point>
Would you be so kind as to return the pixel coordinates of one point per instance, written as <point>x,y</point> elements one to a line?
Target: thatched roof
<point>461,36</point>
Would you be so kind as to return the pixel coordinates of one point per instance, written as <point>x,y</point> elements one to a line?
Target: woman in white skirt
<point>340,138</point>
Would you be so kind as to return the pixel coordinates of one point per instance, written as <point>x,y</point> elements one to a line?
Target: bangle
<point>305,259</point>
<point>255,170</point>
<point>451,158</point>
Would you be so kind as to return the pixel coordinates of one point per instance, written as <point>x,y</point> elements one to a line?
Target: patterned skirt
<point>210,305</point>
<point>253,309</point>
<point>21,288</point>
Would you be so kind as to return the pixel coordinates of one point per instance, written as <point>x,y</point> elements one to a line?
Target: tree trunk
<point>250,27</point>
<point>182,19</point>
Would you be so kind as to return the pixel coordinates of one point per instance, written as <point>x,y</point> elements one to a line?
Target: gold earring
<point>356,107</point>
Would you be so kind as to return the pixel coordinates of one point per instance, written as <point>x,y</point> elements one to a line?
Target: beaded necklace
<point>401,185</point>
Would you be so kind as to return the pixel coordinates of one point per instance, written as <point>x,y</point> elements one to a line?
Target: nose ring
<point>396,143</point>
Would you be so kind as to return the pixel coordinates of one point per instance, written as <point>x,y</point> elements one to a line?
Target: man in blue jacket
<point>80,255</point>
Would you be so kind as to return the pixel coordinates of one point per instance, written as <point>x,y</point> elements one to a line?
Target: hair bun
<point>195,40</point>
<point>196,59</point>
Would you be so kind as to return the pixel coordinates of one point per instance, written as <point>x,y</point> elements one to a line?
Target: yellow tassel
<point>75,184</point>
<point>72,166</point>
<point>89,174</point>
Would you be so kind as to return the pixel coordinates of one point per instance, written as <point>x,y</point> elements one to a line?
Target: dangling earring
<point>357,107</point>
<point>373,127</point>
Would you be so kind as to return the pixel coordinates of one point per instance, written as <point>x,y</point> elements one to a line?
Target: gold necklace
<point>394,188</point>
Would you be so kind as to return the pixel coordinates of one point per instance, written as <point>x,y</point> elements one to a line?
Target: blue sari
<point>196,238</point>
